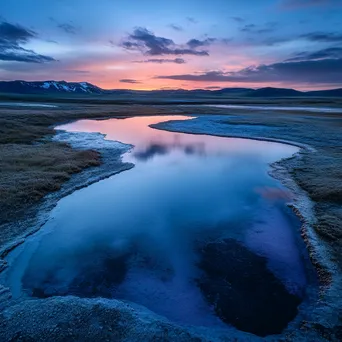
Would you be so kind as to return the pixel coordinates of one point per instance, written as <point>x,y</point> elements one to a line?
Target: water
<point>24,104</point>
<point>197,232</point>
<point>283,108</point>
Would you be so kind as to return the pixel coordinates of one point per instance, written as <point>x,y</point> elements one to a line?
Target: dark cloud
<point>159,149</point>
<point>293,4</point>
<point>323,37</point>
<point>212,88</point>
<point>328,53</point>
<point>308,71</point>
<point>152,150</point>
<point>176,27</point>
<point>259,29</point>
<point>23,55</point>
<point>68,28</point>
<point>149,44</point>
<point>162,61</point>
<point>248,28</point>
<point>11,39</point>
<point>238,19</point>
<point>129,80</point>
<point>192,20</point>
<point>195,43</point>
<point>15,34</point>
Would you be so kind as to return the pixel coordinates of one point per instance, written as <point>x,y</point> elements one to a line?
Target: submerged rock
<point>243,291</point>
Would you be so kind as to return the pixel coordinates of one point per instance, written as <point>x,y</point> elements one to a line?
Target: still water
<point>197,232</point>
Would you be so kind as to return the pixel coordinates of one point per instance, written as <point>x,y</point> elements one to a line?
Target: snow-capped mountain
<point>49,87</point>
<point>85,88</point>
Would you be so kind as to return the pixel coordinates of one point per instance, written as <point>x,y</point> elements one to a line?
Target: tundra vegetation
<point>32,165</point>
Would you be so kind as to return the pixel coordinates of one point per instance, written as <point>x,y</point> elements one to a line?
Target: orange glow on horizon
<point>109,72</point>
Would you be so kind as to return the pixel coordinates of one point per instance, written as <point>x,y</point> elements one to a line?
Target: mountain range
<point>63,87</point>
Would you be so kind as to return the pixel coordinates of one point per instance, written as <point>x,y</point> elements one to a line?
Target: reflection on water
<point>197,231</point>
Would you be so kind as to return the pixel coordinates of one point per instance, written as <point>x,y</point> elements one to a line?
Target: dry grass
<point>320,175</point>
<point>323,175</point>
<point>29,172</point>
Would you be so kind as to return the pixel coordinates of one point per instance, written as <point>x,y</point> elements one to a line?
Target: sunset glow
<point>193,44</point>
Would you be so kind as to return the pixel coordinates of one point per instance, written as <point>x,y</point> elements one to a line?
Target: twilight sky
<point>153,44</point>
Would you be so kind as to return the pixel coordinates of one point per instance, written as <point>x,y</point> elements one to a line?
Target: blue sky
<point>190,44</point>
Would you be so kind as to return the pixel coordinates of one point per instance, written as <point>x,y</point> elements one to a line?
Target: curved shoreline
<point>276,172</point>
<point>302,206</point>
<point>112,164</point>
<point>239,136</point>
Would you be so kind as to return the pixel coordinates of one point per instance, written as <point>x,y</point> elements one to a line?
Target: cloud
<point>328,37</point>
<point>159,149</point>
<point>129,80</point>
<point>191,20</point>
<point>11,39</point>
<point>154,149</point>
<point>68,28</point>
<point>294,4</point>
<point>162,61</point>
<point>15,34</point>
<point>176,27</point>
<point>195,43</point>
<point>328,53</point>
<point>23,55</point>
<point>151,45</point>
<point>259,29</point>
<point>238,19</point>
<point>213,88</point>
<point>308,71</point>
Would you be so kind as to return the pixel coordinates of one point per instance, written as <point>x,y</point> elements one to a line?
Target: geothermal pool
<point>197,232</point>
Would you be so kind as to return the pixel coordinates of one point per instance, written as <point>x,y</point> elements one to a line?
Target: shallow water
<point>25,104</point>
<point>197,232</point>
<point>284,108</point>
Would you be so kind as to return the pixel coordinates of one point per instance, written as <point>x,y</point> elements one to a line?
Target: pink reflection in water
<point>136,131</point>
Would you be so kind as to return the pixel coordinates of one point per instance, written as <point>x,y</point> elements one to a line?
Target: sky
<point>154,44</point>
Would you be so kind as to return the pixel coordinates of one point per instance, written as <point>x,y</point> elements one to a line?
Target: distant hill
<point>49,87</point>
<point>274,92</point>
<point>233,91</point>
<point>330,92</point>
<point>63,87</point>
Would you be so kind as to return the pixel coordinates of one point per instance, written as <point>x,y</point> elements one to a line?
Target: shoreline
<point>302,207</point>
<point>277,171</point>
<point>111,164</point>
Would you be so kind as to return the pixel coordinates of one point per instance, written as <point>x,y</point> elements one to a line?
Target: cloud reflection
<point>163,148</point>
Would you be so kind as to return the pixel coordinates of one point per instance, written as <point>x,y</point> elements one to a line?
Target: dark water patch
<point>243,291</point>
